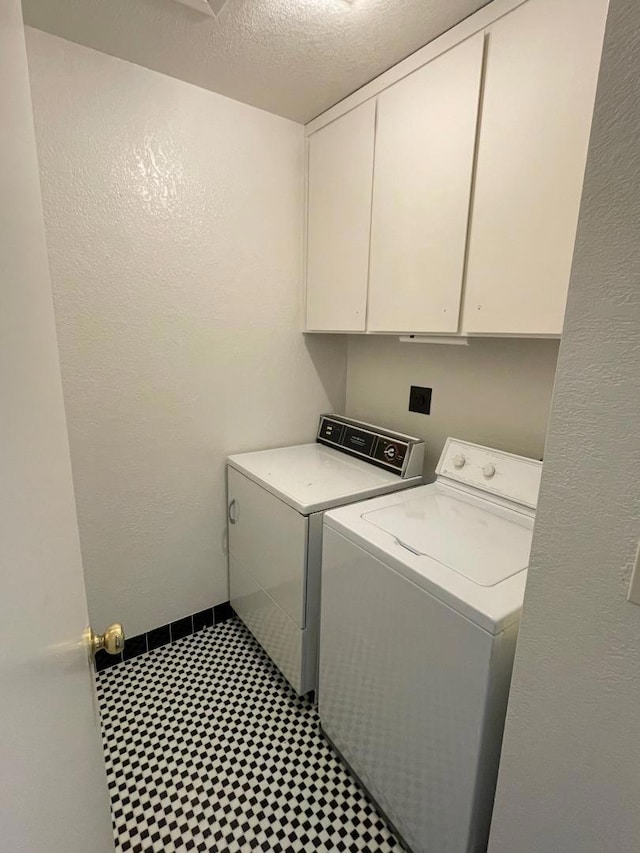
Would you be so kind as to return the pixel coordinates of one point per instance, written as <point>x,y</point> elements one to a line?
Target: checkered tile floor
<point>208,749</point>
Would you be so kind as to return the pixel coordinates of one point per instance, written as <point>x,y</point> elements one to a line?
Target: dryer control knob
<point>459,461</point>
<point>489,470</point>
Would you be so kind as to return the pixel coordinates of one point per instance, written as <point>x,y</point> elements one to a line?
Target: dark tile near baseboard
<point>203,619</point>
<point>166,634</point>
<point>181,628</point>
<point>134,646</point>
<point>222,612</point>
<point>159,637</point>
<point>104,660</point>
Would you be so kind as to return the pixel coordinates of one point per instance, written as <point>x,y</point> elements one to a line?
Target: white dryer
<point>276,502</point>
<point>421,598</point>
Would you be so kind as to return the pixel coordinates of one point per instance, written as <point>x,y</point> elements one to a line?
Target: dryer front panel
<point>269,539</point>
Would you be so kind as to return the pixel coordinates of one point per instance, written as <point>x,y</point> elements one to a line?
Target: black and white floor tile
<point>208,749</point>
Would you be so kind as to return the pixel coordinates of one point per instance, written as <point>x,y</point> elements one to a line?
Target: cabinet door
<point>542,68</point>
<point>338,221</point>
<point>425,142</point>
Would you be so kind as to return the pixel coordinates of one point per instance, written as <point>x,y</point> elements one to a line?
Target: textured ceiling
<point>291,57</point>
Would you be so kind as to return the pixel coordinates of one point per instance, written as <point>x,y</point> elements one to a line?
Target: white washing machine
<point>421,597</point>
<point>276,502</point>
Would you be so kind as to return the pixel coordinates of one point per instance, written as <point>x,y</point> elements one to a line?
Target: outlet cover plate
<point>420,400</point>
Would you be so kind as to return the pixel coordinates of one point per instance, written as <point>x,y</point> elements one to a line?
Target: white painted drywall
<point>292,57</point>
<point>495,391</point>
<point>570,773</point>
<point>174,226</point>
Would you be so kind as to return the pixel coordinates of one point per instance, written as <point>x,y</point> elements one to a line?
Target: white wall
<point>495,391</point>
<point>174,226</point>
<point>570,772</point>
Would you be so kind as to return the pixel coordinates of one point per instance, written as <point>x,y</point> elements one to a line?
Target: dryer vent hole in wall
<point>420,400</point>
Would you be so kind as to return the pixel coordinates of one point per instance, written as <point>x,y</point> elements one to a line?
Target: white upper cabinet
<point>338,222</point>
<point>541,73</point>
<point>496,121</point>
<point>425,141</point>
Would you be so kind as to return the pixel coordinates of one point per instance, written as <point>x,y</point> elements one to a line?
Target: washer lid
<point>478,540</point>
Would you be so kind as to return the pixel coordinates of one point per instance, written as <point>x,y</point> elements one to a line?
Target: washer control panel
<point>513,478</point>
<point>402,454</point>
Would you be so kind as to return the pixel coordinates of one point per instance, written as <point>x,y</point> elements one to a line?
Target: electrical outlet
<point>420,400</point>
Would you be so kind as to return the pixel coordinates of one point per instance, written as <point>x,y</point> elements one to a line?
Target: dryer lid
<point>480,541</point>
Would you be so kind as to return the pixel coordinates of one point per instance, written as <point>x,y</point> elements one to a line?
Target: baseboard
<point>165,634</point>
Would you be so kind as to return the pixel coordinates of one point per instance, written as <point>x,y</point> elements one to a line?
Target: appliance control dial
<point>489,470</point>
<point>390,451</point>
<point>459,461</point>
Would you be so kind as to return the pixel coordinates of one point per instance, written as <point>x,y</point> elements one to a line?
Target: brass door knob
<point>112,641</point>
